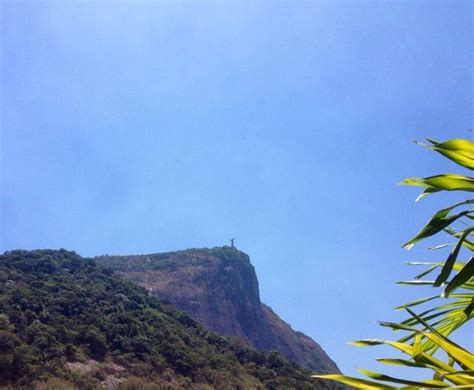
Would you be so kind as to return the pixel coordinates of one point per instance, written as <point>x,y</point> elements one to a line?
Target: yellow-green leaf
<point>445,182</point>
<point>461,151</point>
<point>356,382</point>
<point>408,349</point>
<point>449,264</point>
<point>437,223</point>
<point>383,377</point>
<point>457,353</point>
<point>461,277</point>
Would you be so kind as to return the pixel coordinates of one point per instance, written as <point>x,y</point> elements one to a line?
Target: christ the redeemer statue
<point>232,242</point>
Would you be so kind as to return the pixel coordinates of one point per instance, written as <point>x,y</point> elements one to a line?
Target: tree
<point>97,343</point>
<point>428,331</point>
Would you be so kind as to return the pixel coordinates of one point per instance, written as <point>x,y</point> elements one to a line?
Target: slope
<point>219,288</point>
<point>62,316</point>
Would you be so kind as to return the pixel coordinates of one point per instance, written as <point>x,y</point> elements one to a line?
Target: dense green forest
<point>66,322</point>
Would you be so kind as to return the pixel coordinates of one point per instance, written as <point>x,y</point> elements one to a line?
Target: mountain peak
<point>219,288</point>
<point>68,322</point>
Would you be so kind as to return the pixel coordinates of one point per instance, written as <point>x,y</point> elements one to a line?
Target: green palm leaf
<point>428,332</point>
<point>461,151</point>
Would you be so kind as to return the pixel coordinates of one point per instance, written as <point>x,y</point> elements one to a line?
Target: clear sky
<point>146,127</point>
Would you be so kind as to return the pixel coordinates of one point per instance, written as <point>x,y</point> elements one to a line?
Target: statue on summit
<point>232,242</point>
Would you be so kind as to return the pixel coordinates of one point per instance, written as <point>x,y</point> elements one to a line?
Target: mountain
<point>68,323</point>
<point>219,288</point>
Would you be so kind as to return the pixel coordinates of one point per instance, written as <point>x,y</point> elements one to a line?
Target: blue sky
<point>156,126</point>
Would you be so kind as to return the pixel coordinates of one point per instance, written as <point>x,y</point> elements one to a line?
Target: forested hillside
<point>65,317</point>
<point>219,288</point>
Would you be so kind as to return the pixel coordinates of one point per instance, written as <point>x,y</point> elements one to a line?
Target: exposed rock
<point>219,288</point>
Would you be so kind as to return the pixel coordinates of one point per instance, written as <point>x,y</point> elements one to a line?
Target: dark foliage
<point>56,307</point>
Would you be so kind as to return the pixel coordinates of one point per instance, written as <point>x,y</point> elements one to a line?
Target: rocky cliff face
<point>219,288</point>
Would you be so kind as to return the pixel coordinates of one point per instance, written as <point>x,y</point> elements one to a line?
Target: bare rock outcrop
<point>219,288</point>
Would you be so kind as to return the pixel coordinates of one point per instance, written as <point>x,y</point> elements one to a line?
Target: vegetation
<point>219,288</point>
<point>426,342</point>
<point>68,323</point>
